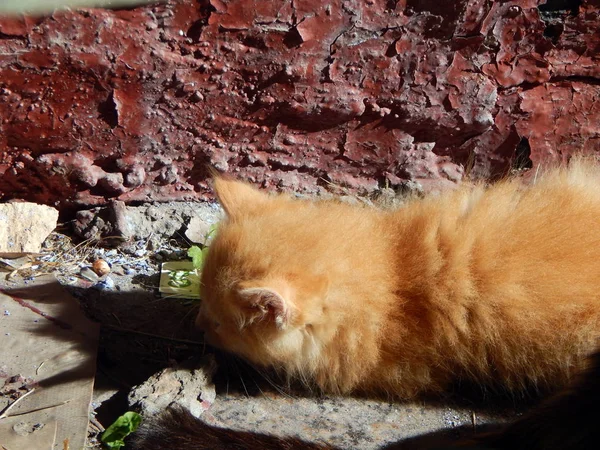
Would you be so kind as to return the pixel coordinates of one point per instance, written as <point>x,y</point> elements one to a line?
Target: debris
<point>89,274</point>
<point>120,219</point>
<point>27,265</point>
<point>7,409</point>
<point>24,226</point>
<point>154,223</point>
<point>106,284</point>
<point>13,263</point>
<point>25,428</point>
<point>102,222</point>
<point>189,386</point>
<point>179,279</point>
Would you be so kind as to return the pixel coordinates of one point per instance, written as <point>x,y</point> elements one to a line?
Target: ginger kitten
<point>498,285</point>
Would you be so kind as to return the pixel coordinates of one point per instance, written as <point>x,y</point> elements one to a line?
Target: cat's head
<point>262,291</point>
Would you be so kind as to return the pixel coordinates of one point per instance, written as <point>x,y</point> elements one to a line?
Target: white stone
<point>24,226</point>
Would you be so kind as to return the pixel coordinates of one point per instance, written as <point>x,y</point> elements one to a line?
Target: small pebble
<point>6,312</point>
<point>197,97</point>
<point>88,274</point>
<point>105,284</point>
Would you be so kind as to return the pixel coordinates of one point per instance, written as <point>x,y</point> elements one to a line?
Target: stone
<point>197,230</point>
<point>89,274</point>
<point>189,386</point>
<point>149,222</point>
<point>24,226</point>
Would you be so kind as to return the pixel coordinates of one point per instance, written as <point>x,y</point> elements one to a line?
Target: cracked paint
<point>134,104</point>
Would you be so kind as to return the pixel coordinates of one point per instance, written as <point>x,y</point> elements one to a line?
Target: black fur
<point>177,429</point>
<point>568,421</point>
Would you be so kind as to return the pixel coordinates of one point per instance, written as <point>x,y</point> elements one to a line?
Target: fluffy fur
<point>496,284</point>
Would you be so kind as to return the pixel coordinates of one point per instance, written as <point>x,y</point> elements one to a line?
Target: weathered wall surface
<point>133,104</point>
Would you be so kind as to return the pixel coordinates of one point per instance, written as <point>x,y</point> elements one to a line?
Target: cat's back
<point>548,227</point>
<point>546,233</point>
<point>509,275</point>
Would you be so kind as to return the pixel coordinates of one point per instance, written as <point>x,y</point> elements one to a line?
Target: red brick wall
<point>133,104</point>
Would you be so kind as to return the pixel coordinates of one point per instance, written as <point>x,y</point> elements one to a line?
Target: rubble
<point>189,386</point>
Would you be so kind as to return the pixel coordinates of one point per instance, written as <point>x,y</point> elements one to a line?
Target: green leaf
<point>204,254</point>
<point>121,428</point>
<point>212,230</point>
<point>197,254</point>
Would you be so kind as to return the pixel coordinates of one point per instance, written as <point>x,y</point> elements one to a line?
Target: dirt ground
<point>143,332</point>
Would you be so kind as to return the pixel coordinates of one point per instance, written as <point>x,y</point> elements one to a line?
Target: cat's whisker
<point>304,380</point>
<point>162,297</point>
<point>224,358</point>
<point>241,378</point>
<point>274,385</point>
<point>257,386</point>
<point>185,316</point>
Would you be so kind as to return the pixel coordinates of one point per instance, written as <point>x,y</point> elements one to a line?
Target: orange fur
<point>493,284</point>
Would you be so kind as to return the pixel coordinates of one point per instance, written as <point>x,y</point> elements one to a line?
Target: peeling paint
<point>133,105</point>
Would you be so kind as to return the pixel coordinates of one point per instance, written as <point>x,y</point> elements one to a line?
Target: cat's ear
<point>264,303</point>
<point>237,197</point>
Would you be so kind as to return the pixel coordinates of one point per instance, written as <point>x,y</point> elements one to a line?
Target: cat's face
<point>256,287</point>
